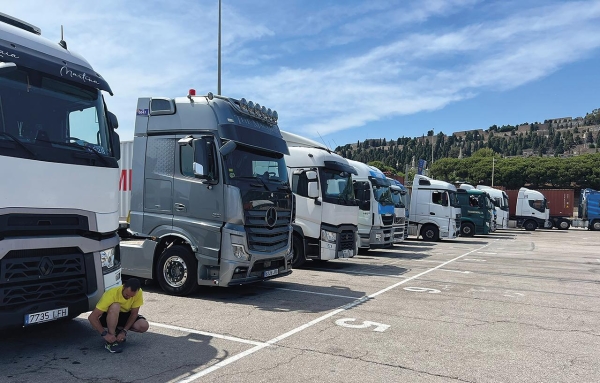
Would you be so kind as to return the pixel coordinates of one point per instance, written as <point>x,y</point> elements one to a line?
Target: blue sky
<point>344,70</point>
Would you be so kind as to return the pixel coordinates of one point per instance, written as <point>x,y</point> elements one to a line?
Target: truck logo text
<point>65,71</point>
<point>7,54</point>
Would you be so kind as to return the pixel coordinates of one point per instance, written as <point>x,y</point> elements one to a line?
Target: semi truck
<point>400,223</point>
<point>435,212</point>
<point>476,212</point>
<point>588,214</point>
<point>529,208</point>
<point>59,250</point>
<point>500,200</point>
<point>210,199</point>
<point>325,208</point>
<point>376,207</point>
<point>552,207</point>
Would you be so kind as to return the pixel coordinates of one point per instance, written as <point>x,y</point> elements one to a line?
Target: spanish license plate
<point>270,273</point>
<point>347,253</point>
<point>46,316</point>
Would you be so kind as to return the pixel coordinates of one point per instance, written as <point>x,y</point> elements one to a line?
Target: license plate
<point>270,273</point>
<point>346,253</point>
<point>46,316</point>
<point>387,235</point>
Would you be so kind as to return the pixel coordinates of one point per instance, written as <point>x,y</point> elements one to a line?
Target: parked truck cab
<point>376,207</point>
<point>532,210</point>
<point>326,210</point>
<point>500,200</point>
<point>435,212</point>
<point>59,250</point>
<point>588,214</point>
<point>210,191</point>
<point>476,212</point>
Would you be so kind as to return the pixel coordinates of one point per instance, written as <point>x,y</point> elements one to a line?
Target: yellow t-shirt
<point>115,295</point>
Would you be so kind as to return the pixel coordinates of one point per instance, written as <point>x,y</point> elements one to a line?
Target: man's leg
<point>112,317</point>
<point>140,325</point>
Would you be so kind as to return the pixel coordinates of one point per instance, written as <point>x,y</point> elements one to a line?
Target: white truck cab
<point>434,209</point>
<point>500,200</point>
<point>376,209</point>
<point>325,208</point>
<point>399,198</point>
<point>532,210</point>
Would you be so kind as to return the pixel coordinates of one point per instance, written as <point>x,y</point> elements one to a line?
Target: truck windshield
<point>337,186</point>
<point>49,117</point>
<point>538,204</point>
<point>453,198</point>
<point>246,162</point>
<point>398,199</point>
<point>382,194</point>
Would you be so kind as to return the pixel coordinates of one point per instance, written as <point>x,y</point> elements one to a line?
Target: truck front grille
<point>263,238</point>
<point>347,240</point>
<point>28,276</point>
<point>387,220</point>
<point>399,220</point>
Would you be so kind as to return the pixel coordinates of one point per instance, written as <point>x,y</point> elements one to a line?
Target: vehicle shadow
<point>71,351</point>
<point>468,242</point>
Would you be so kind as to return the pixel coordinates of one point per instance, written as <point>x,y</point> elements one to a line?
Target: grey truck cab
<point>210,193</point>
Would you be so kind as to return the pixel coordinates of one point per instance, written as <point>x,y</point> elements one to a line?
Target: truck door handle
<point>179,207</point>
<point>432,213</point>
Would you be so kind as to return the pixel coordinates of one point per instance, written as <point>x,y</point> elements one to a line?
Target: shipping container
<point>125,165</point>
<point>560,201</point>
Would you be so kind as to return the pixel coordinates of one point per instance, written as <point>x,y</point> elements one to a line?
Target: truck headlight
<point>108,258</point>
<point>240,253</point>
<point>328,236</point>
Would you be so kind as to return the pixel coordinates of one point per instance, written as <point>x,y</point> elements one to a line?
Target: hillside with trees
<point>555,153</point>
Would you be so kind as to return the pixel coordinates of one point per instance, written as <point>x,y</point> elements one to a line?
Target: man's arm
<point>94,319</point>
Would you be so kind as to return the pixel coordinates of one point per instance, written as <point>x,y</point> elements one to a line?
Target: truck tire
<point>595,225</point>
<point>530,225</point>
<point>298,257</point>
<point>177,271</point>
<point>467,229</point>
<point>563,224</point>
<point>430,233</point>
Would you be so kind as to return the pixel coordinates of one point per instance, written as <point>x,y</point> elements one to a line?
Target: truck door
<point>158,184</point>
<point>198,204</point>
<point>438,205</point>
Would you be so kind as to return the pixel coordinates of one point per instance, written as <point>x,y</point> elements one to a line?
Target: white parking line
<point>357,302</point>
<point>456,271</point>
<point>219,336</point>
<point>310,292</point>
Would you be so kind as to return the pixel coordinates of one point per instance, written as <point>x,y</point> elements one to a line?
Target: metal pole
<point>219,59</point>
<point>433,130</point>
<point>493,163</point>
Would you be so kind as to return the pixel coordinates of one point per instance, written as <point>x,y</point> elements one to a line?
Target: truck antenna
<point>62,42</point>
<point>327,146</point>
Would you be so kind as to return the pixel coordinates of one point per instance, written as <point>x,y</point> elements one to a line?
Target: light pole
<point>433,135</point>
<point>219,55</point>
<point>493,163</point>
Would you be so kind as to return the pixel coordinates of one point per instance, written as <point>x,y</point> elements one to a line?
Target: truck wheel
<point>467,229</point>
<point>430,233</point>
<point>298,257</point>
<point>563,224</point>
<point>530,225</point>
<point>177,271</point>
<point>595,225</point>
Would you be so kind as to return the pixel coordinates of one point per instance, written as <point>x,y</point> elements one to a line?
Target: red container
<point>560,201</point>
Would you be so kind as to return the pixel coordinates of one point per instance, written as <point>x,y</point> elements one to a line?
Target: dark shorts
<point>123,317</point>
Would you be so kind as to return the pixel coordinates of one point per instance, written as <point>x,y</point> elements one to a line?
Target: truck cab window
<point>538,205</point>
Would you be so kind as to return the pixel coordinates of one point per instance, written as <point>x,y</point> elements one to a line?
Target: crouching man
<point>117,312</point>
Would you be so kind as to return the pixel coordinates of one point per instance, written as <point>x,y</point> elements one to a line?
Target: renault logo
<point>271,217</point>
<point>45,266</point>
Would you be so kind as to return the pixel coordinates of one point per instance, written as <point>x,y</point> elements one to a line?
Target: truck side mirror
<point>313,190</point>
<point>115,143</point>
<point>112,120</point>
<point>311,175</point>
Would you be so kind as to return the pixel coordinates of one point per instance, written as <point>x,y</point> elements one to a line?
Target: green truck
<point>476,208</point>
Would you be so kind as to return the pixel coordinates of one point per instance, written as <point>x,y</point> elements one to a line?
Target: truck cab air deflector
<point>253,137</point>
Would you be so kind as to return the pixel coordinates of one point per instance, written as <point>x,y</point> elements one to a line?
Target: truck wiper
<point>18,142</point>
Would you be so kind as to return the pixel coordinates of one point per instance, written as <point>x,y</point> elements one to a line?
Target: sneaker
<point>113,347</point>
